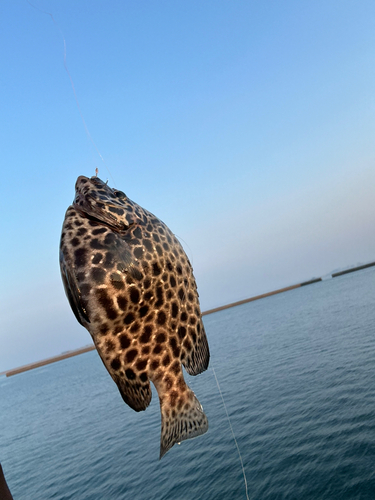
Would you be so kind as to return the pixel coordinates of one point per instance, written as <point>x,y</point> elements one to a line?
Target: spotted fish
<point>131,285</point>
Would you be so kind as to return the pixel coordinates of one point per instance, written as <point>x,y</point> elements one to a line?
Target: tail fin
<point>180,424</point>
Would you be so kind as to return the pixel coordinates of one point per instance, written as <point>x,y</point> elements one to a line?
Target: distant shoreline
<point>82,350</point>
<point>48,361</point>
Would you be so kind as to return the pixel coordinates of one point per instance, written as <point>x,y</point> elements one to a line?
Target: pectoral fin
<point>196,351</point>
<point>73,292</point>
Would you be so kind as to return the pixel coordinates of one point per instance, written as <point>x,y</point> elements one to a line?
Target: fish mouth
<point>94,209</point>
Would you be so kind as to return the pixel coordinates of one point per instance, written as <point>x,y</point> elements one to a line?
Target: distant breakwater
<point>82,350</point>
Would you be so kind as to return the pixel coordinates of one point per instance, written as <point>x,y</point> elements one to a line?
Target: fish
<point>130,283</point>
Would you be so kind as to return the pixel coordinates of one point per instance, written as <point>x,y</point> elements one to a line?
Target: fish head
<point>96,200</point>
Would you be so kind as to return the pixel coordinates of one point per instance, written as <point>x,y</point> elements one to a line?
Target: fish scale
<point>131,285</point>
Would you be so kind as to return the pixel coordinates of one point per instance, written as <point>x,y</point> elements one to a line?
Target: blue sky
<point>248,127</point>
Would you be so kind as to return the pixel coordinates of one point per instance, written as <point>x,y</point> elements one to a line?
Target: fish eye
<point>120,195</point>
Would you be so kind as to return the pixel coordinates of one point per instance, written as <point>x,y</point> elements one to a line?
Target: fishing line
<point>74,90</point>
<point>190,250</point>
<point>231,428</point>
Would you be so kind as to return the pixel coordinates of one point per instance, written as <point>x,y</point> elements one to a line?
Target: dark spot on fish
<point>182,386</point>
<point>98,275</point>
<point>156,237</point>
<point>75,242</point>
<point>134,241</point>
<point>80,257</point>
<point>174,308</point>
<point>130,374</point>
<point>134,295</point>
<point>99,230</point>
<point>122,302</point>
<point>109,259</point>
<point>192,320</point>
<point>135,327</point>
<point>124,341</point>
<point>109,239</point>
<point>176,367</point>
<point>166,360</point>
<point>157,349</point>
<point>143,311</point>
<point>181,294</point>
<point>181,332</point>
<point>81,231</point>
<point>156,269</point>
<point>147,283</point>
<point>183,316</point>
<point>159,296</point>
<point>95,244</point>
<point>154,364</point>
<point>109,345</point>
<point>141,364</point>
<point>143,377</point>
<point>179,269</point>
<point>174,346</point>
<point>129,318</point>
<point>97,258</point>
<point>106,302</point>
<point>159,250</point>
<point>138,252</point>
<point>137,233</point>
<point>148,245</point>
<point>81,276</point>
<point>115,210</point>
<point>130,356</point>
<point>104,329</point>
<point>161,318</point>
<point>146,335</point>
<point>117,281</point>
<point>116,363</point>
<point>160,338</point>
<point>85,289</point>
<point>172,281</point>
<point>150,318</point>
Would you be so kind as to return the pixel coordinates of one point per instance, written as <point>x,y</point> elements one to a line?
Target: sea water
<point>297,372</point>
